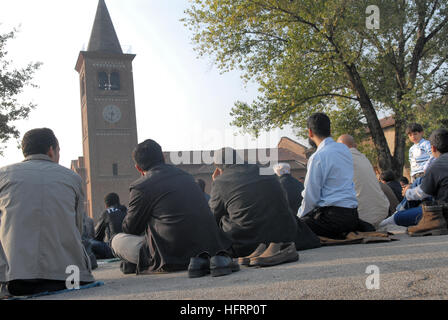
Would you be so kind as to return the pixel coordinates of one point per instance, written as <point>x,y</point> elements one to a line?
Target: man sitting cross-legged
<point>329,205</point>
<point>168,220</point>
<point>108,226</point>
<point>41,220</point>
<point>373,205</point>
<point>252,210</point>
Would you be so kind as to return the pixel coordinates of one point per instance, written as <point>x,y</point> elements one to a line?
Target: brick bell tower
<point>109,130</point>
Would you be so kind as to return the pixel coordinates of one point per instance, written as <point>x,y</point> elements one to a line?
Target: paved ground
<point>411,268</point>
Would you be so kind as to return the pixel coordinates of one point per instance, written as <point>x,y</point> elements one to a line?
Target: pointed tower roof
<point>103,37</point>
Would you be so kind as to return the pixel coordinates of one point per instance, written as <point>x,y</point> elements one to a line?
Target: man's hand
<point>216,174</point>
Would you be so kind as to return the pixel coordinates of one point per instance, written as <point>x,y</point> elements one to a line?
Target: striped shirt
<point>419,155</point>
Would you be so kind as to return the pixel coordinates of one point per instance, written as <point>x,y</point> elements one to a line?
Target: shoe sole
<point>197,273</point>
<point>435,232</point>
<point>219,272</point>
<point>256,263</point>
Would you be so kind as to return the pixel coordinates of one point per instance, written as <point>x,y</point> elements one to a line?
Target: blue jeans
<point>409,217</point>
<point>101,249</point>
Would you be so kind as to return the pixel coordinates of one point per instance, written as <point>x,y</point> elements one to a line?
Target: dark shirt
<point>435,181</point>
<point>170,210</point>
<point>293,189</point>
<point>110,224</point>
<point>396,188</point>
<point>251,208</point>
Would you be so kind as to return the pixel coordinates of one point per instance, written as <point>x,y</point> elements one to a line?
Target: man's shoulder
<point>158,174</point>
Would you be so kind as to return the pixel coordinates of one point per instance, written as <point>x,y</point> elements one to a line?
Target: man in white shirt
<point>373,205</point>
<point>329,205</point>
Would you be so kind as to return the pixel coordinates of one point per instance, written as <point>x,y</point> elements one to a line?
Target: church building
<point>109,130</point>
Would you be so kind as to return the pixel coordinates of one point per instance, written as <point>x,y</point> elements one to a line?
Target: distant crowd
<point>171,224</point>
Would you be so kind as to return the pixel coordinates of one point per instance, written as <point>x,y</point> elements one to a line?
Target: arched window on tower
<point>115,81</point>
<point>103,81</point>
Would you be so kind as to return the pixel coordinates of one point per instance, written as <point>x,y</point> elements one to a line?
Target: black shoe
<point>127,267</point>
<point>199,266</point>
<point>222,264</point>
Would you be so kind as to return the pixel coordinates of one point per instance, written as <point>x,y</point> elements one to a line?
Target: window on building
<point>103,81</point>
<point>115,81</point>
<point>115,169</point>
<point>109,81</point>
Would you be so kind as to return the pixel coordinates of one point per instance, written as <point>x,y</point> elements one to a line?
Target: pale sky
<point>182,102</point>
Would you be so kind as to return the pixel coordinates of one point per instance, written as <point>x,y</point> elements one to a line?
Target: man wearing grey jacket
<point>41,220</point>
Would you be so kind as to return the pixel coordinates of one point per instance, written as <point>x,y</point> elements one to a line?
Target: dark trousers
<point>34,286</point>
<point>101,249</point>
<point>333,222</point>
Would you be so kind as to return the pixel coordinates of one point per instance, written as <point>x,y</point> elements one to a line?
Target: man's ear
<point>51,153</point>
<point>434,151</point>
<point>142,172</point>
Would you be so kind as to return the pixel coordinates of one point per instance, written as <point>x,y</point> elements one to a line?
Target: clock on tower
<point>108,115</point>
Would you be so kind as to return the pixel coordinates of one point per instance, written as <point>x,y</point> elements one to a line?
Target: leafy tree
<point>320,55</point>
<point>12,83</point>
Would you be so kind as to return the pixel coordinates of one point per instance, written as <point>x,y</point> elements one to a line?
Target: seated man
<point>388,177</point>
<point>250,208</point>
<point>433,184</point>
<point>291,185</point>
<point>108,226</point>
<point>329,205</point>
<point>41,206</point>
<point>373,205</point>
<point>168,220</point>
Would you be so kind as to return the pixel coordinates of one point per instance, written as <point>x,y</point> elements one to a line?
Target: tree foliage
<point>319,55</point>
<point>12,83</point>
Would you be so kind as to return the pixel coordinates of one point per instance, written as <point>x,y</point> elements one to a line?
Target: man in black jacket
<point>168,219</point>
<point>291,185</point>
<point>250,208</point>
<point>108,226</point>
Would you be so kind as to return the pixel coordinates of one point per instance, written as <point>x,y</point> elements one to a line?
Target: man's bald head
<point>348,140</point>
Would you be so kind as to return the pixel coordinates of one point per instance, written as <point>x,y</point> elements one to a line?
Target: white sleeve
<point>416,194</point>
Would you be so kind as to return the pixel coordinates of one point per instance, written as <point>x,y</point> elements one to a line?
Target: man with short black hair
<point>168,220</point>
<point>329,205</point>
<point>388,177</point>
<point>41,206</point>
<point>109,225</point>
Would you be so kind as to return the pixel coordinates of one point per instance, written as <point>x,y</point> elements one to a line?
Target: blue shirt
<point>419,155</point>
<point>329,180</point>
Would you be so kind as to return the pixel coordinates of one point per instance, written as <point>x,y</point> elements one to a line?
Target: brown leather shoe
<point>432,223</point>
<point>245,261</point>
<point>275,254</point>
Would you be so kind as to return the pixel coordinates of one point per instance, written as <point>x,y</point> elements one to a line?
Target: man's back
<point>373,205</point>
<point>251,208</point>
<point>110,224</point>
<point>168,205</point>
<point>329,181</point>
<point>42,221</point>
<point>435,181</point>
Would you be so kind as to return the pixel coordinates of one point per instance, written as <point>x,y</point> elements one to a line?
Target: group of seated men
<point>169,221</point>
